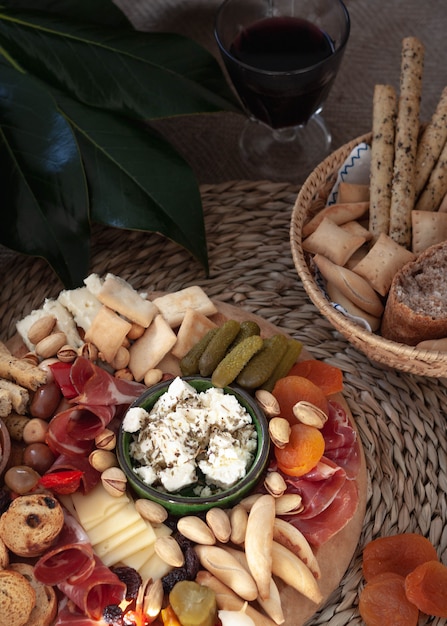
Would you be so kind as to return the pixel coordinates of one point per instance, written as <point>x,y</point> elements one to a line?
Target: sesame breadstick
<point>382,158</point>
<point>436,188</point>
<point>407,130</point>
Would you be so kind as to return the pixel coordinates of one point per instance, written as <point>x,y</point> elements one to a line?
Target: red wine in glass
<point>283,44</point>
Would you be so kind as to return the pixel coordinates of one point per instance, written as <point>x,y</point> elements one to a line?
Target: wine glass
<point>282,57</point>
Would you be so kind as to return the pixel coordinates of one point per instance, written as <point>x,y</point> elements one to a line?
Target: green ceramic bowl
<point>186,504</point>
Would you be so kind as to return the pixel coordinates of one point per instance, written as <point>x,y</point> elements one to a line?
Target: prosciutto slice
<point>95,386</point>
<point>341,441</point>
<point>93,594</point>
<point>70,558</point>
<point>61,442</point>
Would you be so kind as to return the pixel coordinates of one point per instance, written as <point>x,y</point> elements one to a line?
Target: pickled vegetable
<point>383,602</point>
<point>217,347</point>
<point>426,587</point>
<point>263,364</point>
<point>235,360</point>
<point>399,554</point>
<point>189,364</point>
<point>193,604</point>
<point>293,351</point>
<point>248,329</point>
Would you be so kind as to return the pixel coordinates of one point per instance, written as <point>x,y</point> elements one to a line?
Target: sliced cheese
<point>138,559</point>
<point>140,542</point>
<point>114,525</point>
<point>82,304</point>
<point>154,568</point>
<point>121,538</point>
<point>120,296</point>
<point>96,506</point>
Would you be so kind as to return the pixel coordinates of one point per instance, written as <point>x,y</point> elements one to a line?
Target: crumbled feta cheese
<point>187,431</point>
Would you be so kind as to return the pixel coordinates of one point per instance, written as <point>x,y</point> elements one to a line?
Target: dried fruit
<point>383,602</point>
<point>426,587</point>
<point>303,451</point>
<point>328,377</point>
<point>292,389</point>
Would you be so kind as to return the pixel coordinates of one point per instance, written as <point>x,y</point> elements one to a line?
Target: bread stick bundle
<point>407,131</point>
<point>382,158</point>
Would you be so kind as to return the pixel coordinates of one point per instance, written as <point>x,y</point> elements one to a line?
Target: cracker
<point>407,131</point>
<point>173,306</point>
<point>429,227</point>
<point>382,262</point>
<point>443,205</point>
<point>118,295</point>
<point>352,192</point>
<point>356,228</point>
<point>333,242</point>
<point>147,351</point>
<point>107,332</point>
<point>436,188</point>
<point>382,158</point>
<point>193,327</point>
<point>337,297</point>
<point>431,143</point>
<point>338,213</point>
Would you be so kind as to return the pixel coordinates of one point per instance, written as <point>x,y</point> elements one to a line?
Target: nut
<point>308,413</point>
<point>196,530</point>
<point>106,440</point>
<point>152,599</point>
<point>275,484</point>
<point>114,481</point>
<point>169,551</point>
<point>41,328</point>
<point>135,332</point>
<point>219,522</point>
<point>151,511</point>
<point>49,346</point>
<point>121,359</point>
<point>152,377</point>
<point>101,460</point>
<point>89,351</point>
<point>238,520</point>
<point>288,503</point>
<point>67,354</point>
<point>32,358</point>
<point>279,429</point>
<point>268,403</point>
<point>124,373</point>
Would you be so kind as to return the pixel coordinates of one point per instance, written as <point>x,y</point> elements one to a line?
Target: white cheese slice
<point>25,324</point>
<point>82,304</point>
<point>154,568</point>
<point>141,542</point>
<point>114,525</point>
<point>121,538</point>
<point>65,322</point>
<point>96,506</point>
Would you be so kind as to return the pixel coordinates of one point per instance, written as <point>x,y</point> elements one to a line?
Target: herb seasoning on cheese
<point>189,438</point>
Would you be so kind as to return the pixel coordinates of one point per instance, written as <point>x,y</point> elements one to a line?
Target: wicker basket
<point>311,198</point>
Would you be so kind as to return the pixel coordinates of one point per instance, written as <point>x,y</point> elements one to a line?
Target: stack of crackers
<point>363,241</point>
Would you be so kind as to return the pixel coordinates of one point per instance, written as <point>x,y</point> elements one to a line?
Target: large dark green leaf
<point>137,180</point>
<point>44,195</point>
<point>143,75</point>
<point>103,12</point>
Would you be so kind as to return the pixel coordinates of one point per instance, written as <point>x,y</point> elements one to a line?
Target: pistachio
<point>308,413</point>
<point>268,403</point>
<point>32,358</point>
<point>124,373</point>
<point>219,522</point>
<point>196,530</point>
<point>279,429</point>
<point>106,440</point>
<point>89,351</point>
<point>151,511</point>
<point>67,354</point>
<point>41,328</point>
<point>288,503</point>
<point>169,551</point>
<point>121,359</point>
<point>101,460</point>
<point>49,346</point>
<point>152,377</point>
<point>275,484</point>
<point>238,520</point>
<point>114,481</point>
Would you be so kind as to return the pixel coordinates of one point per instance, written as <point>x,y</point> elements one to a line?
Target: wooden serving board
<point>334,556</point>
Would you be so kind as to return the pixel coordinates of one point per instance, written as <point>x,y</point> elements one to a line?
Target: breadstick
<point>407,130</point>
<point>436,188</point>
<point>382,158</point>
<point>258,542</point>
<point>20,371</point>
<point>431,143</point>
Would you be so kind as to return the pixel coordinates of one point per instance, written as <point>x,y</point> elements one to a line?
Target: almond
<point>41,328</point>
<point>50,345</point>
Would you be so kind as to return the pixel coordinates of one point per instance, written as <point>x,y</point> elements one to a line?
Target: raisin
<point>131,578</point>
<point>188,571</point>
<point>113,615</point>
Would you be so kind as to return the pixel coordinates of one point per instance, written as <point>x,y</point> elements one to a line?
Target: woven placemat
<point>400,416</point>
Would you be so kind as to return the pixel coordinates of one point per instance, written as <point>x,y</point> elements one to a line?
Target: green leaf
<point>136,179</point>
<point>43,183</point>
<point>142,75</point>
<point>95,11</point>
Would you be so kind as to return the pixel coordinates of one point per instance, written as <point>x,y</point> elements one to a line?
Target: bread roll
<point>416,309</point>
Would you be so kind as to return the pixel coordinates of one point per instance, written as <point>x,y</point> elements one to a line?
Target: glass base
<point>286,154</point>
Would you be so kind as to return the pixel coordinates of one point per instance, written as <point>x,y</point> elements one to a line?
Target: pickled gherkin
<point>262,365</point>
<point>217,347</point>
<point>193,604</point>
<point>189,364</point>
<point>292,352</point>
<point>235,360</point>
<point>248,329</point>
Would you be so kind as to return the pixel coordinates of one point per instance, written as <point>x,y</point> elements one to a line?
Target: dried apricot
<point>303,451</point>
<point>292,389</point>
<point>399,554</point>
<point>426,587</point>
<point>326,376</point>
<point>383,602</point>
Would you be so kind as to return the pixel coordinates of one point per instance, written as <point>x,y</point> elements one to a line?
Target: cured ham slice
<point>93,594</point>
<point>70,558</point>
<point>341,441</point>
<point>95,386</point>
<point>61,442</point>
